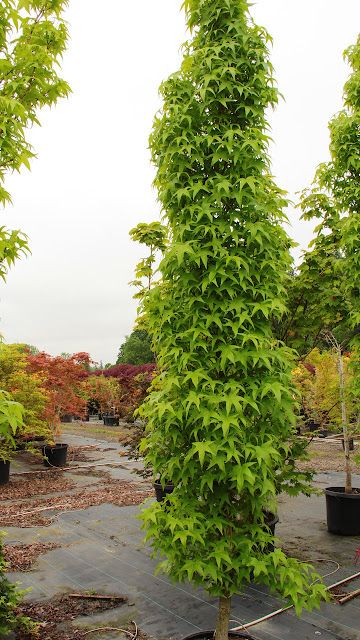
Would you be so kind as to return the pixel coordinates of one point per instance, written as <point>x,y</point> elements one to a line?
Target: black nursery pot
<point>161,492</point>
<point>351,444</point>
<point>111,421</point>
<point>209,635</point>
<point>55,456</point>
<point>342,511</point>
<point>4,472</point>
<point>67,418</point>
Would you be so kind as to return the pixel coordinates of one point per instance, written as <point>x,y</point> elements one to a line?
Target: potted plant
<point>11,597</point>
<point>221,406</point>
<point>11,419</point>
<point>62,378</point>
<point>103,395</point>
<point>343,503</point>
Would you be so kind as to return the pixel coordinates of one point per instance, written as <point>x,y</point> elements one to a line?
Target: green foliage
<point>10,598</point>
<point>13,244</point>
<point>325,293</point>
<point>317,379</point>
<point>153,236</point>
<point>11,419</point>
<point>33,38</point>
<point>220,419</point>
<point>24,387</point>
<point>136,349</point>
<point>102,393</point>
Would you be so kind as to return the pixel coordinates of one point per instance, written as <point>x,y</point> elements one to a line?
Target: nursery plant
<point>133,385</point>
<point>25,387</point>
<point>154,236</point>
<point>62,380</point>
<point>10,598</point>
<point>220,418</point>
<point>11,419</point>
<point>102,392</point>
<point>334,200</point>
<point>317,379</point>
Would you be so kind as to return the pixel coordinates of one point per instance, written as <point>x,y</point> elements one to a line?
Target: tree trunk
<point>222,625</point>
<point>348,479</point>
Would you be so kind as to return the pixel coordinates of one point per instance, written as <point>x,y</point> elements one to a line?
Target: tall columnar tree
<point>220,416</point>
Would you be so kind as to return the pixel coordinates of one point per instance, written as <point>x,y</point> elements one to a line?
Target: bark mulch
<point>35,484</point>
<point>117,492</point>
<point>325,456</point>
<point>21,557</point>
<point>80,454</point>
<point>55,616</point>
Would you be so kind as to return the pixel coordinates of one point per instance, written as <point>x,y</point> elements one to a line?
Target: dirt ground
<point>98,430</point>
<point>77,530</point>
<point>327,455</point>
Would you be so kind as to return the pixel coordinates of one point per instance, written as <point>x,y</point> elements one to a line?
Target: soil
<point>97,430</point>
<point>21,557</point>
<point>117,492</point>
<point>327,456</point>
<point>34,484</point>
<point>55,616</point>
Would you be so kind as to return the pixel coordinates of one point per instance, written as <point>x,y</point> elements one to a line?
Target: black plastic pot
<point>342,511</point>
<point>4,472</point>
<point>111,421</point>
<point>351,444</point>
<point>55,456</point>
<point>161,492</point>
<point>312,426</point>
<point>209,635</point>
<point>67,418</point>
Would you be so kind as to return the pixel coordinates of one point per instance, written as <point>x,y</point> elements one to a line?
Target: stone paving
<point>102,550</point>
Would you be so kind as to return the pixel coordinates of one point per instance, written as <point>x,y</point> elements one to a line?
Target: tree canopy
<point>136,349</point>
<point>220,418</point>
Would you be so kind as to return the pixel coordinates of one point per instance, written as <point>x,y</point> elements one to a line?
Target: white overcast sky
<point>91,182</point>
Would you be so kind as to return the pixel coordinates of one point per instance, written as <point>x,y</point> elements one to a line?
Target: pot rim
<point>57,445</point>
<point>209,635</point>
<point>339,492</point>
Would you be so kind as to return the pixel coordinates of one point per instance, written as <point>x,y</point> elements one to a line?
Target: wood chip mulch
<point>35,484</point>
<point>326,456</point>
<point>117,492</point>
<point>80,454</point>
<point>54,616</point>
<point>21,557</point>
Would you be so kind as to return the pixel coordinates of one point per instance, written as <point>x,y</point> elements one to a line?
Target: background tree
<point>33,37</point>
<point>220,415</point>
<point>317,379</point>
<point>102,392</point>
<point>334,199</point>
<point>324,294</point>
<point>25,387</point>
<point>136,349</point>
<point>153,236</point>
<point>134,382</point>
<point>62,379</point>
